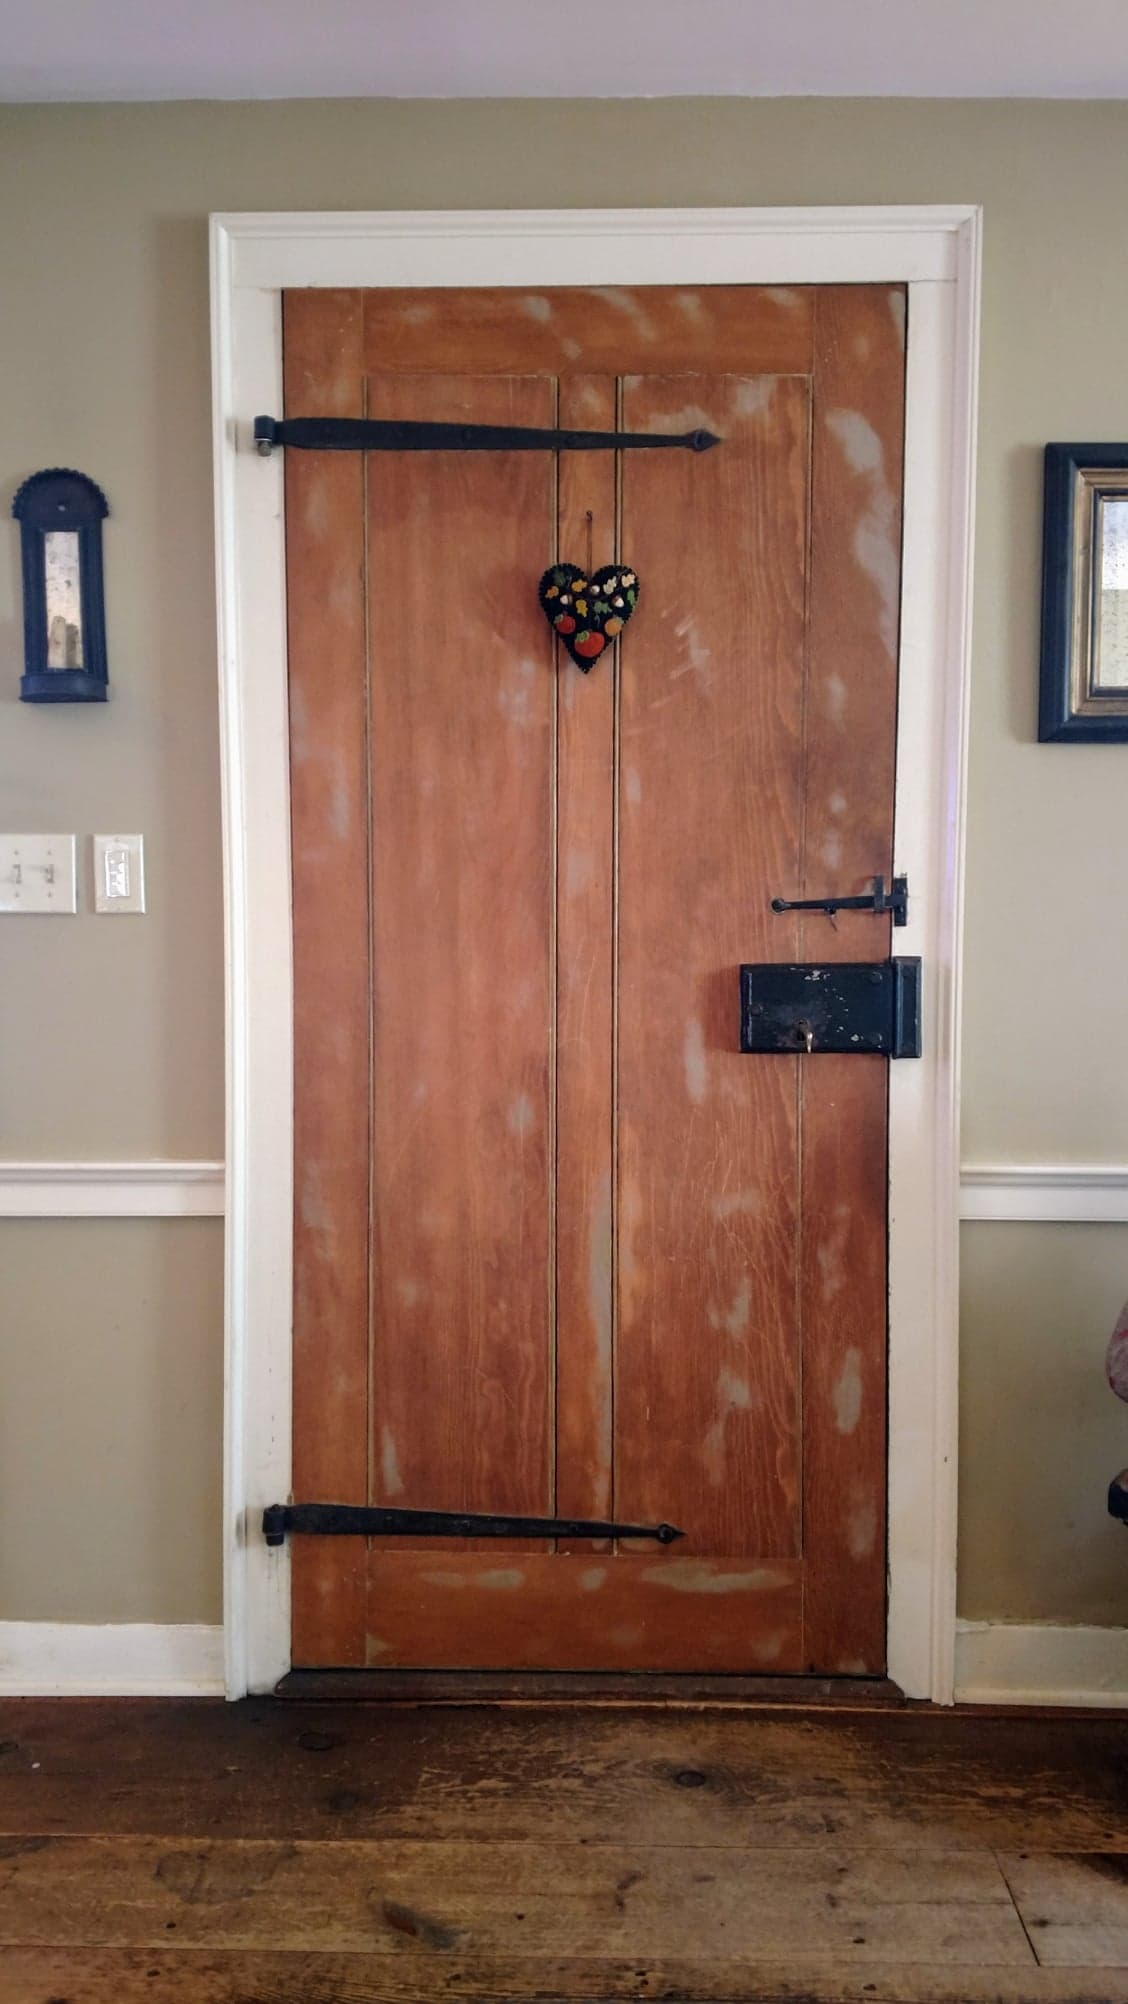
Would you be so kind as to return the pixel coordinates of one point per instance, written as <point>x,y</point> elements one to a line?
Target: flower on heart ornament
<point>588,610</point>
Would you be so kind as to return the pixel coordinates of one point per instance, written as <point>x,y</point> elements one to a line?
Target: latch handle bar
<point>879,900</point>
<point>352,1520</point>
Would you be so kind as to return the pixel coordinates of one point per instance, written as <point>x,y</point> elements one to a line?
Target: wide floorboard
<point>305,1853</point>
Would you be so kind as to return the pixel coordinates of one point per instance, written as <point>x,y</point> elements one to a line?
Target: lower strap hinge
<point>353,1520</point>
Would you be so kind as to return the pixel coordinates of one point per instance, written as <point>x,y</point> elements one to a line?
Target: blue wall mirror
<point>60,513</point>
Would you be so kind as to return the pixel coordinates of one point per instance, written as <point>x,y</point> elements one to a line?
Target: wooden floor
<point>293,1853</point>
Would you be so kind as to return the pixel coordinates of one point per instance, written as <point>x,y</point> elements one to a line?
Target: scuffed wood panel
<point>758,1776</point>
<point>848,774</point>
<point>596,1233</point>
<point>462,696</point>
<point>530,1608</point>
<point>232,1976</point>
<point>329,821</point>
<point>427,1901</point>
<point>593,330</point>
<point>1074,1908</point>
<point>585,990</point>
<point>707,1364</point>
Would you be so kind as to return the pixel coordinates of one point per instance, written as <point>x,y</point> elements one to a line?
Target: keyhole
<point>805,1034</point>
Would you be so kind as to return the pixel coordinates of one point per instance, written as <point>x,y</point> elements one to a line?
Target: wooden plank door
<point>559,1247</point>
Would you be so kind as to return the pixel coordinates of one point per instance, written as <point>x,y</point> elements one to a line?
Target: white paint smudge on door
<point>390,1475</point>
<point>696,1071</point>
<point>876,544</point>
<point>847,1394</point>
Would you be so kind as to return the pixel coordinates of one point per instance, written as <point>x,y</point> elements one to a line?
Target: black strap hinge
<point>352,1520</point>
<point>410,435</point>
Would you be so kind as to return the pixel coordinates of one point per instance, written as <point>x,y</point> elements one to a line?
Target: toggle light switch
<point>37,874</point>
<point>119,873</point>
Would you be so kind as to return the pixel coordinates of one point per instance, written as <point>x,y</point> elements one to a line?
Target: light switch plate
<point>37,874</point>
<point>119,873</point>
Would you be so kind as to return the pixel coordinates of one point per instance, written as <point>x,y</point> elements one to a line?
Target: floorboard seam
<point>1017,1908</point>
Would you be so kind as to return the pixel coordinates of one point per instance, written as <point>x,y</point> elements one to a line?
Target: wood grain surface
<point>587,505</point>
<point>462,700</point>
<point>707,1405</point>
<point>576,1253</point>
<point>519,1610</point>
<point>269,1852</point>
<point>325,564</point>
<point>233,1976</point>
<point>907,1778</point>
<point>400,1899</point>
<point>594,330</point>
<point>849,747</point>
<point>188,1850</point>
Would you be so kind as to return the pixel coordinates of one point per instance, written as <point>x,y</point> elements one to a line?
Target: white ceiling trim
<point>79,50</point>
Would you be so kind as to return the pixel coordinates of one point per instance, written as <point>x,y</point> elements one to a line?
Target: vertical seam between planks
<point>370,945</point>
<point>1001,1868</point>
<point>616,760</point>
<point>553,1155</point>
<point>800,1069</point>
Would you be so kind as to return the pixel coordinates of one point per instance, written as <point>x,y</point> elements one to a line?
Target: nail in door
<point>560,1248</point>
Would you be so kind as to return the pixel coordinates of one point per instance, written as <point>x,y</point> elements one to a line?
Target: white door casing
<point>936,252</point>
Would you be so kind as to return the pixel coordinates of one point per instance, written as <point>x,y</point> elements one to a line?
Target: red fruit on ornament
<point>589,645</point>
<point>564,623</point>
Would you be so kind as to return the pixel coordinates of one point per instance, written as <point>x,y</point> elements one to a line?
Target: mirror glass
<point>1110,666</point>
<point>64,602</point>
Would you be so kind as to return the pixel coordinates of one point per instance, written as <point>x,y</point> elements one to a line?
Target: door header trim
<point>936,251</point>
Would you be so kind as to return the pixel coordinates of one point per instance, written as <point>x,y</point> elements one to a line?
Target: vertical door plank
<point>462,694</point>
<point>707,1369</point>
<point>585,860</point>
<point>849,750</point>
<point>329,819</point>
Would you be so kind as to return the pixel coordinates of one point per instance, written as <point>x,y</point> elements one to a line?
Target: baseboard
<point>110,1659</point>
<point>997,1662</point>
<point>1020,1663</point>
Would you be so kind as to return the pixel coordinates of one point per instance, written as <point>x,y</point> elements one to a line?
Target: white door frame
<point>936,251</point>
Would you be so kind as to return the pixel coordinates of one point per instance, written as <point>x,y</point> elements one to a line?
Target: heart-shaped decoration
<point>588,611</point>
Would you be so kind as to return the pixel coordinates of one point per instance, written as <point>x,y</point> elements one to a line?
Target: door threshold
<point>603,1688</point>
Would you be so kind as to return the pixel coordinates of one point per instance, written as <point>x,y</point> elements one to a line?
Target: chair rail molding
<point>155,1189</point>
<point>996,1193</point>
<point>1045,1193</point>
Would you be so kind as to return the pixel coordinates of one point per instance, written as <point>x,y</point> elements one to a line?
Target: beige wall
<point>1041,1435</point>
<point>103,259</point>
<point>111,1419</point>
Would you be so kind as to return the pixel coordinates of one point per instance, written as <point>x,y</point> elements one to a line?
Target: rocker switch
<point>119,873</point>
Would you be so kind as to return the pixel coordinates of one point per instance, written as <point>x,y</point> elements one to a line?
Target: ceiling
<point>107,50</point>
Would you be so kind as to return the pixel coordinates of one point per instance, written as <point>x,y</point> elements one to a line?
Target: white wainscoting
<point>1009,1193</point>
<point>114,1659</point>
<point>111,1190</point>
